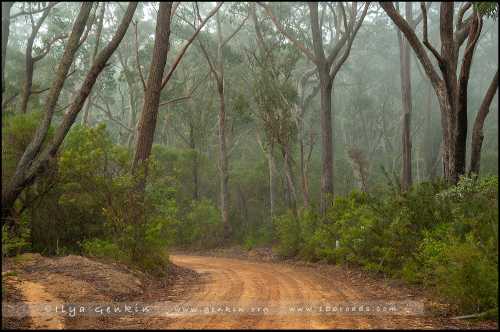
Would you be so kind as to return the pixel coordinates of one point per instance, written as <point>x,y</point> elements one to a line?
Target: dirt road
<point>247,284</point>
<point>264,292</point>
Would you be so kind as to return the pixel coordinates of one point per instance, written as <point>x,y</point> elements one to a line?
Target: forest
<point>353,135</point>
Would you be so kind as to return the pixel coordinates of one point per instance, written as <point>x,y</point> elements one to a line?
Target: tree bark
<point>406,97</point>
<point>86,114</point>
<point>6,7</point>
<point>477,131</point>
<point>292,195</point>
<point>192,145</point>
<point>19,180</point>
<point>450,89</point>
<point>326,140</point>
<point>147,123</point>
<point>430,151</point>
<point>132,102</point>
<point>302,104</point>
<point>328,67</point>
<point>30,60</point>
<point>223,167</point>
<point>303,175</point>
<point>272,185</point>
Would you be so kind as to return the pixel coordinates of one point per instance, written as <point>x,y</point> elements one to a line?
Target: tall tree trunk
<point>132,119</point>
<point>272,185</point>
<point>223,167</point>
<point>30,61</point>
<point>192,145</point>
<point>326,139</point>
<point>450,88</point>
<point>328,66</point>
<point>477,131</point>
<point>6,6</point>
<point>303,168</point>
<point>223,162</point>
<point>405,70</point>
<point>132,103</point>
<point>428,142</point>
<point>86,113</point>
<point>147,123</point>
<point>292,195</point>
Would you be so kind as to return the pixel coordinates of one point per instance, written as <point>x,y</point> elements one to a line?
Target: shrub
<point>459,271</point>
<point>103,249</point>
<point>202,227</point>
<point>287,231</point>
<point>308,221</point>
<point>15,242</point>
<point>261,236</point>
<point>443,237</point>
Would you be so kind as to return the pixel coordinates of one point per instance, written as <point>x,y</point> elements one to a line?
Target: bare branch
<point>413,40</point>
<point>294,41</point>
<point>235,31</point>
<point>188,96</point>
<point>190,40</point>
<point>417,20</point>
<point>472,44</point>
<point>138,64</point>
<point>258,32</point>
<point>461,12</point>
<point>425,37</point>
<point>174,8</point>
<point>29,13</point>
<point>46,50</point>
<point>39,91</point>
<point>107,111</point>
<point>90,23</point>
<point>345,55</point>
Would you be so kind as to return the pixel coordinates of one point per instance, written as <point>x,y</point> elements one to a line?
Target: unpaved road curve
<point>243,283</point>
<point>237,283</point>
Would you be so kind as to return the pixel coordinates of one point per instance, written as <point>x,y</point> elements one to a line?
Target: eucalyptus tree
<point>477,131</point>
<point>449,80</point>
<point>273,63</point>
<point>216,65</point>
<point>406,97</point>
<point>347,20</point>
<point>157,80</point>
<point>37,154</point>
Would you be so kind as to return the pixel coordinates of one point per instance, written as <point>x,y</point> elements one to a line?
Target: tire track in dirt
<point>236,282</point>
<point>346,294</point>
<point>36,295</point>
<point>241,283</point>
<point>206,294</point>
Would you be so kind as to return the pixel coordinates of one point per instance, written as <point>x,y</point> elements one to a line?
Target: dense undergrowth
<point>445,238</point>
<point>442,237</point>
<point>88,203</point>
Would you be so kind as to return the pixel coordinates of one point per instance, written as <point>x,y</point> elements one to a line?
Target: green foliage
<point>489,9</point>
<point>93,204</point>
<point>296,234</point>
<point>202,226</point>
<point>103,249</point>
<point>261,236</point>
<point>459,269</point>
<point>17,241</point>
<point>17,132</point>
<point>287,230</point>
<point>445,238</point>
